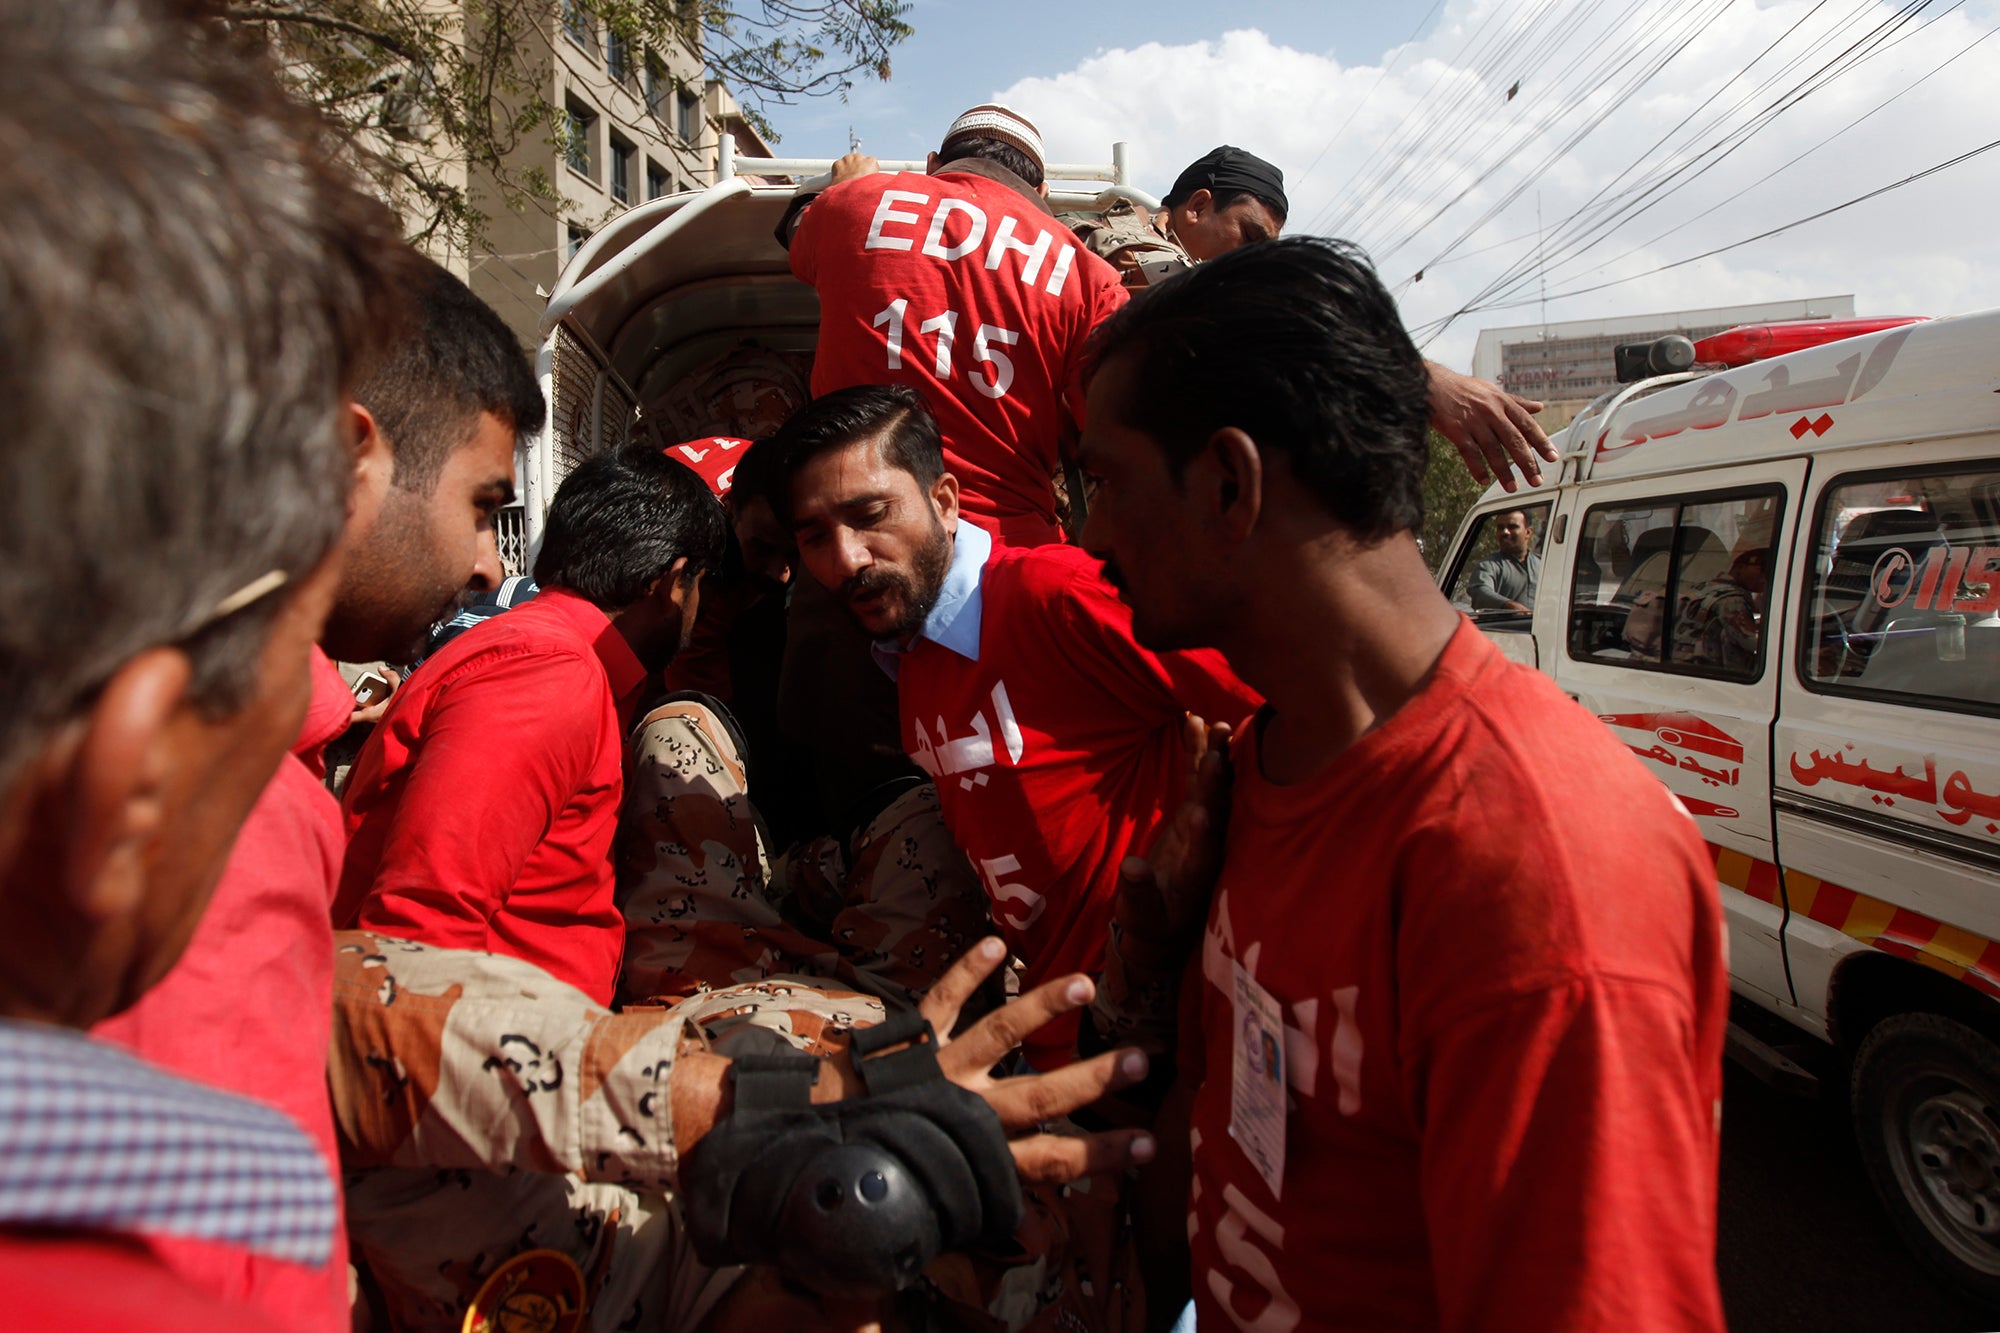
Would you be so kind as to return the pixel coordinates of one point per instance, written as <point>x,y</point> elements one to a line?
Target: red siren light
<point>1760,342</point>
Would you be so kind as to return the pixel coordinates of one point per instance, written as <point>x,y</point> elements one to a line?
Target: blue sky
<point>962,54</point>
<point>1327,89</point>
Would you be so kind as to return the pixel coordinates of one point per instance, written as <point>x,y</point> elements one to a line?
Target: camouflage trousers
<point>706,904</point>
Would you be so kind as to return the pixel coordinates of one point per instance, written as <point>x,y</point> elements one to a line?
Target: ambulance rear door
<point>1669,636</point>
<point>1887,753</point>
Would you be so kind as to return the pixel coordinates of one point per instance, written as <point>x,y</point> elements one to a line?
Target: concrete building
<point>643,123</point>
<point>1567,364</point>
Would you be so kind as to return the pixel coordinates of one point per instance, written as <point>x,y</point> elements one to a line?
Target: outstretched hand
<point>1495,432</point>
<point>1024,1102</point>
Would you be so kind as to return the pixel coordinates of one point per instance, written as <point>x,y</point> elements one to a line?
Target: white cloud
<point>1928,248</point>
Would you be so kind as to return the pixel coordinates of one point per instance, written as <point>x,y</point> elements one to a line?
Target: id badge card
<point>1257,1079</point>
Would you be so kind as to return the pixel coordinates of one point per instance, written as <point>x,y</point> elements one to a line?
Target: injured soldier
<point>622,1165</point>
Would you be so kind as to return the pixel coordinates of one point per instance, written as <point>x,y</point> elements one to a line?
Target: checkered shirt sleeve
<point>92,1138</point>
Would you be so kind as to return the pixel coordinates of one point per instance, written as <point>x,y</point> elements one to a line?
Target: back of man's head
<point>999,135</point>
<point>1296,343</point>
<point>896,414</point>
<point>185,279</point>
<point>457,360</point>
<point>621,520</point>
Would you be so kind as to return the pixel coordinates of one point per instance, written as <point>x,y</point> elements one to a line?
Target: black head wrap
<point>1227,170</point>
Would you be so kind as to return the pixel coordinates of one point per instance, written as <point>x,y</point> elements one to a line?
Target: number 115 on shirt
<point>987,340</point>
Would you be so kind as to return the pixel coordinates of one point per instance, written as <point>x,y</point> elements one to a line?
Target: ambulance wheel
<point>1926,1098</point>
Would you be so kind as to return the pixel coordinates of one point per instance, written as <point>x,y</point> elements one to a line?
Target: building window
<point>657,85</point>
<point>689,123</point>
<point>617,57</point>
<point>580,140</point>
<point>1675,584</point>
<point>577,236</point>
<point>621,170</point>
<point>658,182</point>
<point>577,25</point>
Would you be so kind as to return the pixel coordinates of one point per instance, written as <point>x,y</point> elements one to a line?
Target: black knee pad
<point>851,1198</point>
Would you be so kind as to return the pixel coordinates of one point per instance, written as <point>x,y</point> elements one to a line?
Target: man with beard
<point>1054,739</point>
<point>480,814</point>
<point>1506,580</point>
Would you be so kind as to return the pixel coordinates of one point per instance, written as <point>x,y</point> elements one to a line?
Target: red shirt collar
<point>622,666</point>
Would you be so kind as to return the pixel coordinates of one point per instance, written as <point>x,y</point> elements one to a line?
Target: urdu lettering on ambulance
<point>1502,1048</point>
<point>962,286</point>
<point>1055,743</point>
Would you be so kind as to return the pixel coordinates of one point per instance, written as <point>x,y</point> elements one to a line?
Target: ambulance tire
<point>1926,1101</point>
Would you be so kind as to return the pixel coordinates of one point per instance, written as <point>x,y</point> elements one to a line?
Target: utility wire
<point>1578,232</point>
<point>1430,331</point>
<point>1795,160</point>
<point>1373,88</point>
<point>1679,38</point>
<point>1648,194</point>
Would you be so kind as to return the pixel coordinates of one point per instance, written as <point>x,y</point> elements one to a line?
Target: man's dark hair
<point>896,412</point>
<point>758,473</point>
<point>1296,343</point>
<point>994,151</point>
<point>188,281</point>
<point>621,520</point>
<point>1231,175</point>
<point>458,359</point>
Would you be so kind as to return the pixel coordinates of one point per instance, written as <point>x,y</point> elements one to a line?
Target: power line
<point>1431,330</point>
<point>1360,106</point>
<point>1679,39</point>
<point>1578,232</point>
<point>1800,157</point>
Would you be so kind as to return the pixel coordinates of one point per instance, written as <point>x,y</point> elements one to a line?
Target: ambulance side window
<point>1499,573</point>
<point>1904,597</point>
<point>1676,583</point>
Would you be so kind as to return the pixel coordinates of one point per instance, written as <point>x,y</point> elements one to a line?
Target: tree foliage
<point>429,92</point>
<point>1449,491</point>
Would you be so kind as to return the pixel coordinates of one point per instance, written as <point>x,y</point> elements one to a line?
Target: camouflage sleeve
<point>450,1058</point>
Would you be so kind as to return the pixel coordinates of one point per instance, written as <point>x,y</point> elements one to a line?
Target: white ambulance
<point>1779,585</point>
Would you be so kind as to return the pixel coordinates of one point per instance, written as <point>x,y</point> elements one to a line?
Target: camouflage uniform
<point>486,1109</point>
<point>1718,626</point>
<point>1125,237</point>
<point>705,905</point>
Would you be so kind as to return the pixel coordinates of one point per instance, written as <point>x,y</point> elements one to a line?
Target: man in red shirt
<point>962,283</point>
<point>1053,738</point>
<point>434,422</point>
<point>480,814</point>
<point>1458,1058</point>
<point>190,283</point>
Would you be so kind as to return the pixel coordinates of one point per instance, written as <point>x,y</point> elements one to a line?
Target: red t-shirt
<point>91,1283</point>
<point>1058,753</point>
<point>1496,946</point>
<point>480,814</point>
<point>249,1008</point>
<point>961,286</point>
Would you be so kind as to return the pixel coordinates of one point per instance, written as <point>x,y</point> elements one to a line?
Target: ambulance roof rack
<point>815,172</point>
